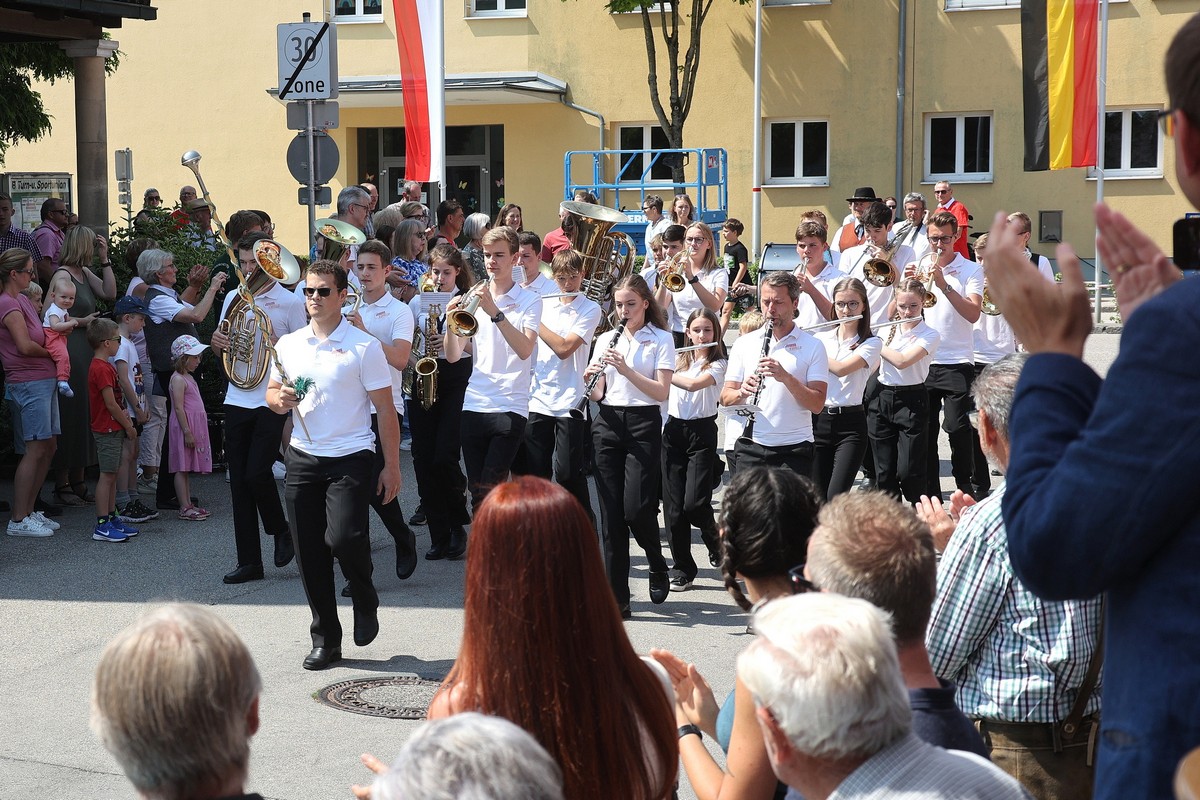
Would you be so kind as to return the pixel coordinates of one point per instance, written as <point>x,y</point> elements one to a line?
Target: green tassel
<point>302,386</point>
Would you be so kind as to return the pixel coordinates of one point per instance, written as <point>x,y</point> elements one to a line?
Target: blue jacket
<point>1103,495</point>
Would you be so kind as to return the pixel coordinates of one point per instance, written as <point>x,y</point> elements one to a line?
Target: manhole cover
<point>401,697</point>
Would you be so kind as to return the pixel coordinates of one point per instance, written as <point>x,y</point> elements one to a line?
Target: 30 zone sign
<point>307,61</point>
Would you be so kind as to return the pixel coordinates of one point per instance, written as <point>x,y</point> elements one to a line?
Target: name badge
<point>790,346</point>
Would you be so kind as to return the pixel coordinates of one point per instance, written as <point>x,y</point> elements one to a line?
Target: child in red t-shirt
<point>110,427</point>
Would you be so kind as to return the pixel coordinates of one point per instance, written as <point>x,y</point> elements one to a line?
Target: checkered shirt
<point>17,237</point>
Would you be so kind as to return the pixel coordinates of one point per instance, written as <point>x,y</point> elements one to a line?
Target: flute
<point>833,323</point>
<point>695,347</point>
<point>562,294</point>
<point>895,322</point>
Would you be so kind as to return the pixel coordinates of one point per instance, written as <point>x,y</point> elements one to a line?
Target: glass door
<point>467,182</point>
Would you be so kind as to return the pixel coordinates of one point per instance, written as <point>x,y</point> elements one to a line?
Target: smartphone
<point>1187,244</point>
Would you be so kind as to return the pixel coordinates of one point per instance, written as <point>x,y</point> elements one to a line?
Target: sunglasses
<point>155,199</point>
<point>1166,120</point>
<point>801,584</point>
<point>320,291</point>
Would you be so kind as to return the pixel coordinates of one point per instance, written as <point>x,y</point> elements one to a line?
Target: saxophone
<point>427,367</point>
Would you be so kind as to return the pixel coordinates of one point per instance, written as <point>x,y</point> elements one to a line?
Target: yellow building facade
<point>201,78</point>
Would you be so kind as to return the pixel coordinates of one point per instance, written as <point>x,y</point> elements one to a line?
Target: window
<point>963,5</point>
<point>1132,144</point>
<point>633,165</point>
<point>959,148</point>
<point>358,10</point>
<point>796,2</point>
<point>797,153</point>
<point>498,8</point>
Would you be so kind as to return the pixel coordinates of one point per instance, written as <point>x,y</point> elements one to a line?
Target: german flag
<point>1058,69</point>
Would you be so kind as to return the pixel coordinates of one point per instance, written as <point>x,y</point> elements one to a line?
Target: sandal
<point>82,495</point>
<point>67,497</point>
<point>192,514</point>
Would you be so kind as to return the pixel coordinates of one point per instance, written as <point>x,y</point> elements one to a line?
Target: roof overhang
<point>485,88</point>
<point>57,20</point>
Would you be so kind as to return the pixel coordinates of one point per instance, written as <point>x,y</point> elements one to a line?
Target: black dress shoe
<point>366,627</point>
<point>418,517</point>
<point>285,551</point>
<point>713,543</point>
<point>406,554</point>
<point>626,613</point>
<point>435,553</point>
<point>322,657</point>
<point>660,587</point>
<point>458,543</point>
<point>49,509</point>
<point>346,591</point>
<point>244,573</point>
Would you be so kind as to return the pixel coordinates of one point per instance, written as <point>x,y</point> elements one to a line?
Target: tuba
<point>426,368</point>
<point>249,355</point>
<point>336,238</point>
<point>607,256</point>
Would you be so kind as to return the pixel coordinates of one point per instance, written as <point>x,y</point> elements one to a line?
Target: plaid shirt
<point>16,237</point>
<point>1014,657</point>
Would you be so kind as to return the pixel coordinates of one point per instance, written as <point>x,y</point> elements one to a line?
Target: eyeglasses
<point>846,305</point>
<point>695,240</point>
<point>1166,121</point>
<point>940,239</point>
<point>113,339</point>
<point>360,205</point>
<point>58,211</point>
<point>941,191</point>
<point>321,291</point>
<point>801,584</point>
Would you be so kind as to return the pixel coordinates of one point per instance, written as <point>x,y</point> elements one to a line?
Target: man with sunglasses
<point>946,202</point>
<point>151,201</point>
<point>49,237</point>
<point>333,373</point>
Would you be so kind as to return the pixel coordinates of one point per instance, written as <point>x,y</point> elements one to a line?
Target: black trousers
<point>870,406</point>
<point>436,448</point>
<point>689,461</point>
<point>981,470</point>
<point>489,444</point>
<point>389,513</point>
<point>327,502</point>
<point>252,437</point>
<point>840,436</point>
<point>796,457</point>
<point>555,447</point>
<point>949,385</point>
<point>899,437</point>
<point>627,464</point>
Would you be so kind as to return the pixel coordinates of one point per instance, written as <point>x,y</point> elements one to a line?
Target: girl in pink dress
<point>190,450</point>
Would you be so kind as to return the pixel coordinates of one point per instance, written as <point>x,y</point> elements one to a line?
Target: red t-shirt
<point>101,374</point>
<point>555,241</point>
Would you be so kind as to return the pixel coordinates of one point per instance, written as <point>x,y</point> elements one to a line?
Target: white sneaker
<point>45,521</point>
<point>28,527</point>
<point>279,471</point>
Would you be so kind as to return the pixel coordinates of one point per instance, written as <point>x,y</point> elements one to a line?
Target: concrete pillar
<point>91,130</point>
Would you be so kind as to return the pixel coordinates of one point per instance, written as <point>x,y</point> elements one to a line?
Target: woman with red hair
<point>544,647</point>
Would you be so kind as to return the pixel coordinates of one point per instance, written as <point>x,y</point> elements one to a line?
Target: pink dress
<point>184,458</point>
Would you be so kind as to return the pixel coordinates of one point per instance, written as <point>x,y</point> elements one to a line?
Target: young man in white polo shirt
<point>815,278</point>
<point>253,432</point>
<point>794,375</point>
<point>530,262</point>
<point>496,406</point>
<point>391,322</point>
<point>342,373</point>
<point>958,286</point>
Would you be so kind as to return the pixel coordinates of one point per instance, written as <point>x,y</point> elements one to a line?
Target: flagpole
<point>1101,86</point>
<point>756,181</point>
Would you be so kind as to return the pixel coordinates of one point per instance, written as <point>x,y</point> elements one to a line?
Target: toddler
<point>58,325</point>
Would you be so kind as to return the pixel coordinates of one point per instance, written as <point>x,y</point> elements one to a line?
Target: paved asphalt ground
<point>64,597</point>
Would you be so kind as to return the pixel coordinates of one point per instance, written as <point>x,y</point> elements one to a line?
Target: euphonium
<point>461,321</point>
<point>352,302</point>
<point>249,356</point>
<point>879,269</point>
<point>426,368</point>
<point>336,238</point>
<point>607,255</point>
<point>988,306</point>
<point>674,278</point>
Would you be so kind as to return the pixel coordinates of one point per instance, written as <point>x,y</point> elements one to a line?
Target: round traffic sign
<point>325,164</point>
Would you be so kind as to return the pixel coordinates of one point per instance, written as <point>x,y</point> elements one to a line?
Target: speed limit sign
<point>307,61</point>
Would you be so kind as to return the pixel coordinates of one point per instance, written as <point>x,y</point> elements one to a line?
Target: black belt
<point>910,389</point>
<point>1035,734</point>
<point>836,410</point>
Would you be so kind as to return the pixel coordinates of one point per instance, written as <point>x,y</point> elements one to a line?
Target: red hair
<point>544,647</point>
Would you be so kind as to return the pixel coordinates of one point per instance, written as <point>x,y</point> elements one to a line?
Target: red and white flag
<point>420,40</point>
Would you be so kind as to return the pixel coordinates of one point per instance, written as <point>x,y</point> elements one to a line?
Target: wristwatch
<point>688,730</point>
<point>694,279</point>
<point>498,318</point>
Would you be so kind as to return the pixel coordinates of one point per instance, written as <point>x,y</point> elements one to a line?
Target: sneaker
<point>28,527</point>
<point>45,521</point>
<point>279,471</point>
<point>418,517</point>
<point>679,581</point>
<point>65,389</point>
<point>105,533</point>
<point>116,526</point>
<point>143,510</point>
<point>135,512</point>
<point>406,444</point>
<point>147,484</point>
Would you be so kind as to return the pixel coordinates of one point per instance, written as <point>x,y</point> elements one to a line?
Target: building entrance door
<point>467,182</point>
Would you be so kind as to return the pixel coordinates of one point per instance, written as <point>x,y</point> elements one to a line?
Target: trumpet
<point>461,321</point>
<point>925,275</point>
<point>674,278</point>
<point>426,368</point>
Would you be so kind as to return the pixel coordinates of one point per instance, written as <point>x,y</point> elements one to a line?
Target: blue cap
<point>131,305</point>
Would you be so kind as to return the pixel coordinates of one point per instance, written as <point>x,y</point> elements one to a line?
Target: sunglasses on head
<point>320,291</point>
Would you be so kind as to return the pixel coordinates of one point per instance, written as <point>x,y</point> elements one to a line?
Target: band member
<point>496,405</point>
<point>634,366</point>
<point>783,371</point>
<point>391,322</point>
<point>958,286</point>
<point>898,432</point>
<point>911,229</point>
<point>1021,223</point>
<point>735,424</point>
<point>340,373</point>
<point>437,430</point>
<point>253,432</point>
<point>994,339</point>
<point>816,278</point>
<point>707,283</point>
<point>851,232</point>
<point>555,440</point>
<point>530,262</point>
<point>840,430</point>
<point>854,261</point>
<point>689,452</point>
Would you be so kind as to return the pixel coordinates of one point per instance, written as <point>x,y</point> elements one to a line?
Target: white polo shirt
<point>847,390</point>
<point>558,382</point>
<point>389,319</point>
<point>287,314</point>
<point>646,351</point>
<point>957,344</point>
<point>879,297</point>
<point>915,239</point>
<point>541,285</point>
<point>501,382</point>
<point>921,336</point>
<point>650,275</point>
<point>783,420</point>
<point>686,300</point>
<point>682,404</point>
<point>994,339</point>
<point>824,281</point>
<point>164,305</point>
<point>343,368</point>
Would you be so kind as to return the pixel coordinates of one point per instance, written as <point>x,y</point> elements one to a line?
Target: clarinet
<point>579,410</point>
<point>748,433</point>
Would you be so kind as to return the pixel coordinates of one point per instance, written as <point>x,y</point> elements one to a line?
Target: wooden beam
<point>24,26</point>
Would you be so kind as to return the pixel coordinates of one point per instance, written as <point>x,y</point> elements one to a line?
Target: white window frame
<point>990,5</point>
<point>647,132</point>
<point>1125,172</point>
<point>794,179</point>
<point>501,12</point>
<point>357,18</point>
<point>654,9</point>
<point>958,176</point>
<point>785,3</point>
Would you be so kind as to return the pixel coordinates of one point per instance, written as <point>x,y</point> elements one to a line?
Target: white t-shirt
<point>558,382</point>
<point>685,301</point>
<point>500,383</point>
<point>921,336</point>
<point>824,281</point>
<point>337,408</point>
<point>847,390</point>
<point>879,297</point>
<point>682,404</point>
<point>654,229</point>
<point>286,313</point>
<point>52,308</point>
<point>783,420</point>
<point>541,285</point>
<point>165,304</point>
<point>915,239</point>
<point>1043,265</point>
<point>389,319</point>
<point>647,351</point>
<point>957,345</point>
<point>994,339</point>
<point>128,353</point>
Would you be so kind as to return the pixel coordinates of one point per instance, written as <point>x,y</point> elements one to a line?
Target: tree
<point>22,115</point>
